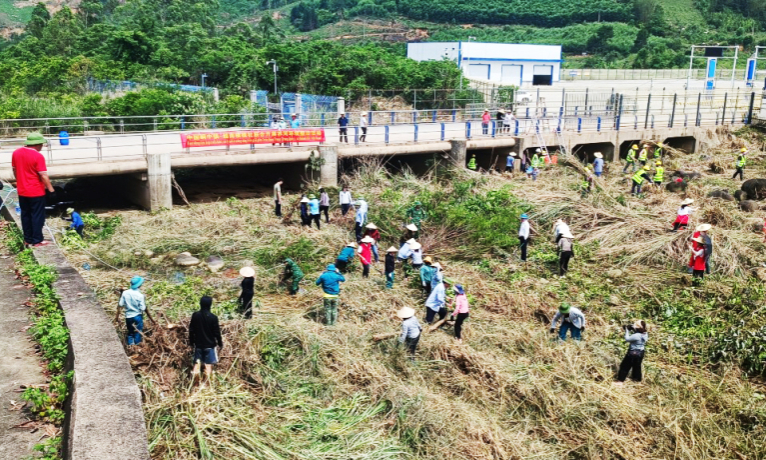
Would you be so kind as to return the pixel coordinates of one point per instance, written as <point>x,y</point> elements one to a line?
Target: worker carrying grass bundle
<point>346,256</point>
<point>636,336</point>
<point>294,272</point>
<point>740,164</point>
<point>638,179</point>
<point>245,300</point>
<point>410,329</point>
<point>134,303</point>
<point>426,274</point>
<point>682,215</point>
<point>572,319</point>
<point>365,255</point>
<point>461,312</point>
<point>390,266</point>
<point>330,281</point>
<point>435,304</point>
<point>630,159</point>
<point>204,336</point>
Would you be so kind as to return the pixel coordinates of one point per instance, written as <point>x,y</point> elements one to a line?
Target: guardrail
<point>721,74</point>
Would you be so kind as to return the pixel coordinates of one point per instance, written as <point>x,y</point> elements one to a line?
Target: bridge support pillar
<point>328,174</point>
<point>458,152</point>
<point>159,181</point>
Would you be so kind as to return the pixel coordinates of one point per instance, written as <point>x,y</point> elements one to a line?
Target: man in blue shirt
<point>346,256</point>
<point>330,281</point>
<point>314,210</point>
<point>295,122</point>
<point>134,304</point>
<point>509,162</point>
<point>76,220</point>
<point>598,164</point>
<point>343,128</point>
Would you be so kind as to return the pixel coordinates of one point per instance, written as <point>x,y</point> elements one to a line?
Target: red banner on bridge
<point>265,136</point>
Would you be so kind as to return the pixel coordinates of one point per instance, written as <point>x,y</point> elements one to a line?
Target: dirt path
<point>18,366</point>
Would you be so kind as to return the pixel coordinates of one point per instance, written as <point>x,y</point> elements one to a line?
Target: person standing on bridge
<point>485,119</point>
<point>278,198</point>
<point>31,176</point>
<point>295,122</point>
<point>343,128</point>
<point>740,164</point>
<point>630,159</point>
<point>363,126</point>
<point>509,121</point>
<point>598,164</point>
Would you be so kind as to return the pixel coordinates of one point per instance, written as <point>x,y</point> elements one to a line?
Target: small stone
<point>614,273</point>
<point>138,253</point>
<point>214,263</point>
<point>186,260</point>
<point>149,254</point>
<point>613,300</point>
<point>155,260</point>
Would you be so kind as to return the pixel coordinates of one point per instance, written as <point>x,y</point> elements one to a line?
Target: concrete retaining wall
<point>105,418</point>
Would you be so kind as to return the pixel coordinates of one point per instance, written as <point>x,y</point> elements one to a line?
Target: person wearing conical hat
<point>417,255</point>
<point>426,273</point>
<point>702,232</point>
<point>566,251</point>
<point>485,119</point>
<point>365,255</point>
<point>410,233</point>
<point>682,215</point>
<point>305,216</point>
<point>437,300</point>
<point>345,257</point>
<point>598,164</point>
<point>372,231</point>
<point>740,164</point>
<point>410,329</point>
<point>509,162</point>
<point>404,255</point>
<point>572,320</point>
<point>390,266</point>
<point>637,336</point>
<point>698,259</point>
<point>245,300</point>
<point>74,217</point>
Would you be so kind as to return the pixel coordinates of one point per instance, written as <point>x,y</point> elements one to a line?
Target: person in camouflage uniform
<point>292,270</point>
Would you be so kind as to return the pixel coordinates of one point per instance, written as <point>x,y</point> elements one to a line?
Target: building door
<point>542,75</point>
<point>511,74</point>
<point>479,71</point>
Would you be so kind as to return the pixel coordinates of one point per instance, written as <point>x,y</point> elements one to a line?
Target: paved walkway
<point>18,364</point>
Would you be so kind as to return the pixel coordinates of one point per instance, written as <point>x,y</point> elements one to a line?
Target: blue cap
<point>136,282</point>
<point>524,216</point>
<point>331,267</point>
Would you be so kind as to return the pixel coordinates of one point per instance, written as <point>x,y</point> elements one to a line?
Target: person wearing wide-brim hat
<point>345,257</point>
<point>572,320</point>
<point>372,231</point>
<point>702,232</point>
<point>245,300</point>
<point>74,217</point>
<point>390,266</point>
<point>31,177</point>
<point>410,233</point>
<point>426,273</point>
<point>566,251</point>
<point>365,255</point>
<point>437,299</point>
<point>314,214</point>
<point>636,335</point>
<point>410,329</point>
<point>682,215</point>
<point>417,255</point>
<point>485,119</point>
<point>509,161</point>
<point>305,216</point>
<point>404,255</point>
<point>598,164</point>
<point>698,259</point>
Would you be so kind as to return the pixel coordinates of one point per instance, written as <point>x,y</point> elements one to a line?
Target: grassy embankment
<point>290,388</point>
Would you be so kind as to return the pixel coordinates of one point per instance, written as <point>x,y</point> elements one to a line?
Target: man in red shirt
<point>32,180</point>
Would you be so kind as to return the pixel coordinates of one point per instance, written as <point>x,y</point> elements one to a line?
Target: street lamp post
<point>274,64</point>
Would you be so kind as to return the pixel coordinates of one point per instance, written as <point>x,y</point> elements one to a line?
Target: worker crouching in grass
<point>74,217</point>
<point>294,272</point>
<point>636,336</point>
<point>410,329</point>
<point>346,256</point>
<point>572,319</point>
<point>204,336</point>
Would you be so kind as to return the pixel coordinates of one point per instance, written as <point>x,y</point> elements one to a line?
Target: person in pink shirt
<point>461,311</point>
<point>485,118</point>
<point>365,255</point>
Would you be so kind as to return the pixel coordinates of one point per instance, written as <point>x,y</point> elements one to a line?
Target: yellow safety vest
<point>658,152</point>
<point>472,163</point>
<point>658,174</point>
<point>741,161</point>
<point>643,155</point>
<point>631,156</point>
<point>639,177</point>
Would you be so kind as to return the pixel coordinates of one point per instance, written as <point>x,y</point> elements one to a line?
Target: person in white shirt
<point>682,215</point>
<point>363,124</point>
<point>524,230</point>
<point>345,200</point>
<point>508,121</point>
<point>559,228</point>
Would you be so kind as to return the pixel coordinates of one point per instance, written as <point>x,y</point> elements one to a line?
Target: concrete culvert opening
<point>487,159</point>
<point>418,164</point>
<point>688,143</point>
<point>584,152</point>
<point>204,185</point>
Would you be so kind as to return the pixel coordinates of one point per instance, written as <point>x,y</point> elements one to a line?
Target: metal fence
<point>721,74</point>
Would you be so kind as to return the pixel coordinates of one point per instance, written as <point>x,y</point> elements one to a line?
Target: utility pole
<point>274,64</point>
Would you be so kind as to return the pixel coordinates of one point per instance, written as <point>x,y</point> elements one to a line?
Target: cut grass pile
<point>290,388</point>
